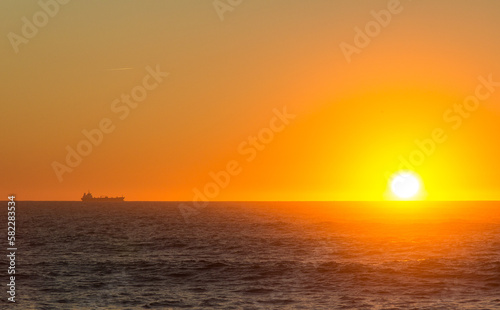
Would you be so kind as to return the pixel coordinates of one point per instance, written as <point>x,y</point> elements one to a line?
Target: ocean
<point>265,255</point>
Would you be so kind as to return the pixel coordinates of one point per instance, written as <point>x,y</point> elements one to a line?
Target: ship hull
<point>103,199</point>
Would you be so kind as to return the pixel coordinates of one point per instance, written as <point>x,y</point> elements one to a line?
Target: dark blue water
<point>143,255</point>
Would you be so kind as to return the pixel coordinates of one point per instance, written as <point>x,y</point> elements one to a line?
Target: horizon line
<point>209,201</point>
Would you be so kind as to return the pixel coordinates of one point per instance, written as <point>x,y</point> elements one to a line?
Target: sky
<point>249,100</point>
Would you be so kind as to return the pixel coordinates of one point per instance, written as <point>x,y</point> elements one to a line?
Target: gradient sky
<point>354,120</point>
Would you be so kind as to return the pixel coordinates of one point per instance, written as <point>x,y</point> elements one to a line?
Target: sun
<point>405,185</point>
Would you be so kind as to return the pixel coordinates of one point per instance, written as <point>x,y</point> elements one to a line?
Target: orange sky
<point>229,79</point>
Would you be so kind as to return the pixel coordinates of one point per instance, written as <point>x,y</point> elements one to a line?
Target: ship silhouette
<point>88,197</point>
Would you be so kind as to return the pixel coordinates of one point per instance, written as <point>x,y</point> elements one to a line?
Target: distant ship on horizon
<point>88,197</point>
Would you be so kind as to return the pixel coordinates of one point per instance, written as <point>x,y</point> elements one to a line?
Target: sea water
<point>342,255</point>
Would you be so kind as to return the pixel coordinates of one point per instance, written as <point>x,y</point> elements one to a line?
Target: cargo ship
<point>88,197</point>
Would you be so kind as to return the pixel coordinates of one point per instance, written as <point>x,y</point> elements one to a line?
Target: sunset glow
<point>372,93</point>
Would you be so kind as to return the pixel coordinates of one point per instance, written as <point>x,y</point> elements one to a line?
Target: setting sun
<point>405,185</point>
